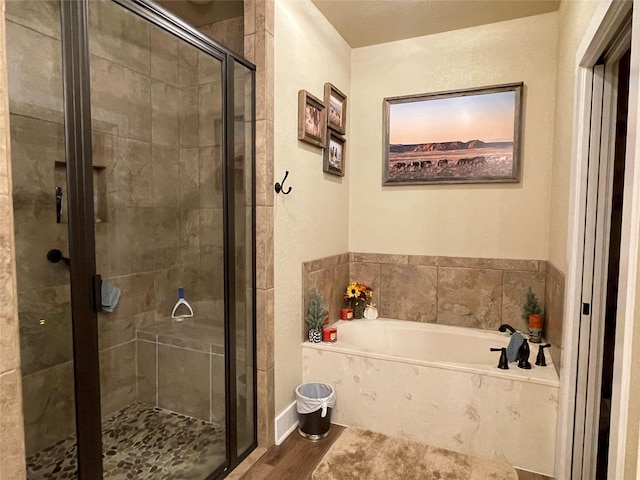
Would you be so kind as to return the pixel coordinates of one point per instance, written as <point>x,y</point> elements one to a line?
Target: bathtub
<point>440,385</point>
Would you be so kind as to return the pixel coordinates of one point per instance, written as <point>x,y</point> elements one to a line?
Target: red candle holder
<point>329,334</point>
<point>346,313</point>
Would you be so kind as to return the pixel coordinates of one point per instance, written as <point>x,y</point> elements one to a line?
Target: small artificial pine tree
<point>315,311</point>
<point>531,306</point>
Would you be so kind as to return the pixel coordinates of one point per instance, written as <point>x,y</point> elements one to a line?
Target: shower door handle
<point>96,281</point>
<point>58,204</point>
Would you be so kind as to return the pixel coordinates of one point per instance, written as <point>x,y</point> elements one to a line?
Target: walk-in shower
<point>132,145</point>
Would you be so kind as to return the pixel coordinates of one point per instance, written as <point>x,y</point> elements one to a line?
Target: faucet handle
<point>540,360</point>
<point>503,363</point>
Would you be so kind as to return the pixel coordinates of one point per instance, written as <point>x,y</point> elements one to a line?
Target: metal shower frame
<point>84,278</point>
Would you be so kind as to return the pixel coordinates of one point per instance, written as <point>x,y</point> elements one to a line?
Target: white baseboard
<point>286,423</point>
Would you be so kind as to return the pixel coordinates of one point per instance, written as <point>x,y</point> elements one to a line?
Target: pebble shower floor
<point>141,442</point>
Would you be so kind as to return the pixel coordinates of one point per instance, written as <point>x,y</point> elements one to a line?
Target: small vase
<point>358,309</point>
<point>315,335</point>
<point>371,312</point>
<point>535,328</point>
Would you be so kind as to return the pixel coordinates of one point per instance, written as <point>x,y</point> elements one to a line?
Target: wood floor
<point>294,459</point>
<point>297,457</point>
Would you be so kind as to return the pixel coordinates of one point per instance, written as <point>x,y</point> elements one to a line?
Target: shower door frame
<point>84,280</point>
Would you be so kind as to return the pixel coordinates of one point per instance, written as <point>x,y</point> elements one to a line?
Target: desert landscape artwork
<point>453,137</point>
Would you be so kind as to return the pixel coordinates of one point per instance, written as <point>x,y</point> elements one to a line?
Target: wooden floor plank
<point>297,457</point>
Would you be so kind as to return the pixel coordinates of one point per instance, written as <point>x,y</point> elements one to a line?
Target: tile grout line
<point>210,388</point>
<point>437,292</point>
<point>157,374</point>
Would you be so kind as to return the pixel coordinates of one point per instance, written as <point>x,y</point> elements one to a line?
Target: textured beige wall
<point>573,19</point>
<point>312,221</point>
<point>491,221</point>
<point>12,465</point>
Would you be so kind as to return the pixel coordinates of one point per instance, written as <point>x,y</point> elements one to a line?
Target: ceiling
<point>369,22</point>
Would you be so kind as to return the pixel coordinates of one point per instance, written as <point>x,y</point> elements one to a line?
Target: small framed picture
<point>336,103</point>
<point>334,154</point>
<point>312,119</point>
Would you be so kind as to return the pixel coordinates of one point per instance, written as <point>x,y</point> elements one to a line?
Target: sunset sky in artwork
<point>487,117</point>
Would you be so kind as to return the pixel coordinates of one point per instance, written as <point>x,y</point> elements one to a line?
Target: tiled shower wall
<point>12,465</point>
<point>184,373</point>
<point>157,154</point>
<point>467,292</point>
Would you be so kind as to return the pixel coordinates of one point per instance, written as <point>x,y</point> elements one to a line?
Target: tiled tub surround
<point>460,291</point>
<point>554,311</point>
<point>440,385</point>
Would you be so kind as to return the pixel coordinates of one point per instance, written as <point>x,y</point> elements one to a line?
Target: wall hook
<point>279,187</point>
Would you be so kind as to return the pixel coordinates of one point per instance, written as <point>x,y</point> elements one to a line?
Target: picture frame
<point>312,119</point>
<point>462,136</point>
<point>336,103</point>
<point>334,154</point>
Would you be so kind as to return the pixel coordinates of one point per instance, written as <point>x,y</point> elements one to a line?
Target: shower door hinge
<point>96,284</point>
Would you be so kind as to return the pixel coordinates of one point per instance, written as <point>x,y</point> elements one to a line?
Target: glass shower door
<point>244,255</point>
<point>40,193</point>
<point>157,123</point>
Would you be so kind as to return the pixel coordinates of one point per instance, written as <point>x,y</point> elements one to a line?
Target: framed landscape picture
<point>312,119</point>
<point>334,154</point>
<point>465,136</point>
<point>336,103</point>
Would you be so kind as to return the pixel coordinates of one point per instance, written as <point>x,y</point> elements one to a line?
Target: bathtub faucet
<point>523,356</point>
<point>505,326</point>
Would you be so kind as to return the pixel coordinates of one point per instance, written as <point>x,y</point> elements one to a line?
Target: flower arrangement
<point>356,295</point>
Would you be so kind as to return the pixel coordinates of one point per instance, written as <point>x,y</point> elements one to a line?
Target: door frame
<point>82,259</point>
<point>607,21</point>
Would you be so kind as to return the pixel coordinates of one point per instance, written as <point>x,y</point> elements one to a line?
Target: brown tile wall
<point>554,311</point>
<point>12,450</point>
<point>229,33</point>
<point>330,275</point>
<point>258,48</point>
<point>461,291</point>
<point>182,375</point>
<point>469,292</point>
